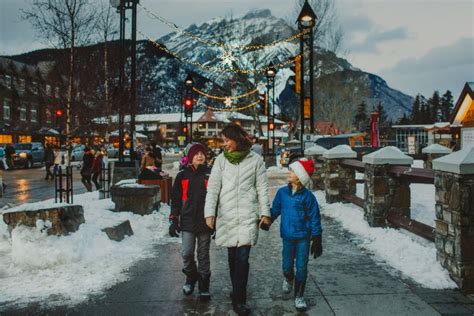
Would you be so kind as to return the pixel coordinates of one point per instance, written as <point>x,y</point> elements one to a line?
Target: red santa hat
<point>303,168</point>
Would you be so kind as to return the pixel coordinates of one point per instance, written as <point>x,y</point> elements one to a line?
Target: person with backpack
<point>188,196</point>
<point>300,228</point>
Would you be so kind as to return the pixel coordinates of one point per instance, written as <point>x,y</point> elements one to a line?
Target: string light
<point>235,97</point>
<point>233,109</point>
<point>221,44</point>
<point>216,68</point>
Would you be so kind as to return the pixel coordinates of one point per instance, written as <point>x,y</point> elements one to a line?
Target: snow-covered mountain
<point>339,86</point>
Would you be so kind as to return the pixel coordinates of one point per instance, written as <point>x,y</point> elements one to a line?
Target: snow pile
<point>413,257</point>
<point>65,270</point>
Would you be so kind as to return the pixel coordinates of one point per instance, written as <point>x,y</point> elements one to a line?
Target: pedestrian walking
<point>86,170</point>
<point>49,161</point>
<point>236,204</point>
<point>300,226</point>
<point>188,198</point>
<point>57,158</point>
<point>9,152</point>
<point>148,168</point>
<point>158,155</point>
<point>257,147</point>
<point>97,169</point>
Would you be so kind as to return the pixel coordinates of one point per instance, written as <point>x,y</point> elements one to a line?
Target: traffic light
<point>271,124</point>
<point>185,129</point>
<point>59,113</point>
<point>263,104</point>
<point>296,78</point>
<point>188,106</point>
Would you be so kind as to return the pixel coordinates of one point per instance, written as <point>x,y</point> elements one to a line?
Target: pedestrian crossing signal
<point>271,124</point>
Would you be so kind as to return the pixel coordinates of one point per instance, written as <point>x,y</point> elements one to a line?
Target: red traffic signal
<point>271,125</point>
<point>59,113</point>
<point>188,103</point>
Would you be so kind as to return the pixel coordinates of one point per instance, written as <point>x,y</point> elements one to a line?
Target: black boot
<point>300,303</point>
<point>191,278</point>
<point>241,309</point>
<point>203,284</point>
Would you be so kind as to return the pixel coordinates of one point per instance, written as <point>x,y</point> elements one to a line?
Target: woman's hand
<point>265,222</point>
<point>210,221</point>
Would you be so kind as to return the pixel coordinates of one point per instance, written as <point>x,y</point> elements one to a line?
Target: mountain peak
<point>259,13</point>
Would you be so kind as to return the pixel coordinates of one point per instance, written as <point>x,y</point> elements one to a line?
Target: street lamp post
<point>271,73</point>
<point>188,106</point>
<point>306,22</point>
<point>122,6</point>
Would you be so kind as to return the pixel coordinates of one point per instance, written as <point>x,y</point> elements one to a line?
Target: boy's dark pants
<point>239,272</point>
<point>295,249</point>
<point>203,269</point>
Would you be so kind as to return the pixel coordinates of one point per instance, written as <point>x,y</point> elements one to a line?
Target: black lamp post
<point>188,106</point>
<point>271,73</point>
<point>122,6</point>
<point>306,22</point>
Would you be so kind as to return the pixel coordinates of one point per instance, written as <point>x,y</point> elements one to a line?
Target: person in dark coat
<point>86,170</point>
<point>188,197</point>
<point>96,169</point>
<point>9,152</point>
<point>158,155</point>
<point>49,161</point>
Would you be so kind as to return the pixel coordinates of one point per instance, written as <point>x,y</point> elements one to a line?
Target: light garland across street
<point>220,44</point>
<point>233,109</point>
<point>235,97</point>
<point>216,68</point>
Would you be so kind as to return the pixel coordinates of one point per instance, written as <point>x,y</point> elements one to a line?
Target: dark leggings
<point>95,176</point>
<point>86,180</point>
<point>239,272</point>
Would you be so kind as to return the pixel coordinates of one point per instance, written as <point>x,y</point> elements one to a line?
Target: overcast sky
<point>417,46</point>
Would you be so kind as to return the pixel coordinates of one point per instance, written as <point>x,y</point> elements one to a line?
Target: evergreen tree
<point>384,124</point>
<point>447,106</point>
<point>360,119</point>
<point>404,120</point>
<point>434,107</point>
<point>416,110</point>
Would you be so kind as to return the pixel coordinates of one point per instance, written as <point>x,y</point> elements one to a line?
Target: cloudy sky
<point>417,46</point>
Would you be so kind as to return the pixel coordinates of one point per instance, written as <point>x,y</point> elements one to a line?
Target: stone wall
<point>337,180</point>
<point>382,194</point>
<point>455,226</point>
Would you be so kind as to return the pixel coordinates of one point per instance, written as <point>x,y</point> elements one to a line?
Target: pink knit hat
<point>303,168</point>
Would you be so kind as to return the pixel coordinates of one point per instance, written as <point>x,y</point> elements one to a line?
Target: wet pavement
<point>344,281</point>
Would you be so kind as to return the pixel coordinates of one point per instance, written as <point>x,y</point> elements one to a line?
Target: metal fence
<point>63,188</point>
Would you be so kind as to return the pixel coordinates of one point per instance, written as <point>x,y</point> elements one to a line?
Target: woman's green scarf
<point>235,157</point>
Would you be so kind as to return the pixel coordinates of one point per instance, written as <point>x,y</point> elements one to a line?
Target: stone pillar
<point>338,179</point>
<point>315,153</point>
<point>433,152</point>
<point>124,172</point>
<point>382,192</point>
<point>454,183</point>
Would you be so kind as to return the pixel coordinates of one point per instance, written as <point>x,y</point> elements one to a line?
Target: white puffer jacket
<point>239,195</point>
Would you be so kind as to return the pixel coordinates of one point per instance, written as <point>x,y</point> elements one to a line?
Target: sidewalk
<point>344,281</point>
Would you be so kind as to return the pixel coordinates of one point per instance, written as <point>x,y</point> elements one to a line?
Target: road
<point>28,185</point>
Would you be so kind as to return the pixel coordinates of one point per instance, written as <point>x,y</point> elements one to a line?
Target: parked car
<point>27,154</point>
<point>77,153</point>
<point>112,152</point>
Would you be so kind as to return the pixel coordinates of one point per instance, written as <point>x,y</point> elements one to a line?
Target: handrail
<point>411,225</point>
<point>414,175</point>
<point>354,199</point>
<point>353,163</point>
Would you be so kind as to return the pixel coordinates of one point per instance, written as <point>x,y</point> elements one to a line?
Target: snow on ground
<point>67,269</point>
<point>413,257</point>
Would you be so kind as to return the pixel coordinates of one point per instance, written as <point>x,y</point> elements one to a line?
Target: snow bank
<point>67,269</point>
<point>413,257</point>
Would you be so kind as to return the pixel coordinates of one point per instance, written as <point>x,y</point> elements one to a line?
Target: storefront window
<point>24,139</point>
<point>34,115</point>
<point>6,139</point>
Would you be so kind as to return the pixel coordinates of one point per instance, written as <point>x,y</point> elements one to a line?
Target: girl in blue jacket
<point>300,226</point>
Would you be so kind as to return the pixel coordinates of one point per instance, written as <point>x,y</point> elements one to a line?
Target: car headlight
<point>23,155</point>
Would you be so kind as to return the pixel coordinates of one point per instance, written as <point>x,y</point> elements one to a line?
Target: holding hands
<point>265,222</point>
<point>174,226</point>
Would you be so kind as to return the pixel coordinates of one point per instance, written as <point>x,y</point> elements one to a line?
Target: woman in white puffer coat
<point>237,193</point>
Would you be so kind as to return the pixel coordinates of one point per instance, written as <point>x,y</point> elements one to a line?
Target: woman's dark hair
<point>239,135</point>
